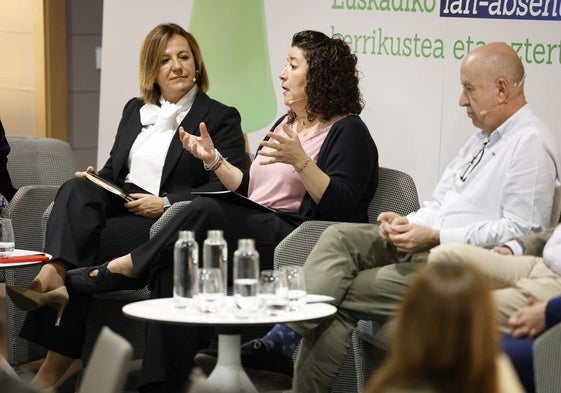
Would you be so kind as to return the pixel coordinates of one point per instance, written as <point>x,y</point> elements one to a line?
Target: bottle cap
<point>246,243</point>
<point>215,234</point>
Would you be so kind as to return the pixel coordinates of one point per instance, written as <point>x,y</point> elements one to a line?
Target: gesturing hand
<point>201,147</point>
<point>286,149</point>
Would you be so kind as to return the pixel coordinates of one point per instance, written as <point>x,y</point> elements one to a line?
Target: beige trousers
<point>514,278</point>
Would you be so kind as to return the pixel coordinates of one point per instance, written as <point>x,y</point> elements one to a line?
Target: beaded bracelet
<point>304,166</point>
<point>215,164</point>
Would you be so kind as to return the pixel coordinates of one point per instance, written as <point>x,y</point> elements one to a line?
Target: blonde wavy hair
<point>151,56</point>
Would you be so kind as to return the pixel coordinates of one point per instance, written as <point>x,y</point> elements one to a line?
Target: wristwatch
<point>167,204</point>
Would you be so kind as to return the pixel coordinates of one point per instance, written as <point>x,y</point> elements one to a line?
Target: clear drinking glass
<point>273,291</point>
<point>210,285</point>
<point>7,242</point>
<point>296,286</point>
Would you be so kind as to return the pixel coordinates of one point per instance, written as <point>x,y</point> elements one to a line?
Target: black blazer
<point>6,187</point>
<point>182,173</point>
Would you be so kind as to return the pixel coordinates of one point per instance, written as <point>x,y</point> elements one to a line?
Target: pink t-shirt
<point>278,185</point>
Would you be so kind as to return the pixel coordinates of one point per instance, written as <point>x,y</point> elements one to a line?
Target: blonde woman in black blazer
<point>88,225</point>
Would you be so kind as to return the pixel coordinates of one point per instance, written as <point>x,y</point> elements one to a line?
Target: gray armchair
<point>396,192</point>
<point>547,361</point>
<point>37,166</point>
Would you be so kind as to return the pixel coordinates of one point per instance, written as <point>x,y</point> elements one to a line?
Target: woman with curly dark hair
<point>318,162</point>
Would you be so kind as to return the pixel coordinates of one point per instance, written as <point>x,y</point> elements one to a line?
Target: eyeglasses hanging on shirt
<point>476,159</point>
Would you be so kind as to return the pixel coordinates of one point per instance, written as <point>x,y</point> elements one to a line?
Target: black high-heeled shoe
<point>27,299</point>
<point>105,281</point>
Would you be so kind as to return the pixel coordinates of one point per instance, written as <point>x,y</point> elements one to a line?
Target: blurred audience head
<point>444,336</point>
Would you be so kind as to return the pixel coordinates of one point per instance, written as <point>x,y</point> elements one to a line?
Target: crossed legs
<point>352,263</point>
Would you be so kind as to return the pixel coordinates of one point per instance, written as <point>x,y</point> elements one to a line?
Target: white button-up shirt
<point>507,194</point>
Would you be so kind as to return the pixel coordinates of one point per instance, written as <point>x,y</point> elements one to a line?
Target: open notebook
<point>106,184</point>
<point>233,197</point>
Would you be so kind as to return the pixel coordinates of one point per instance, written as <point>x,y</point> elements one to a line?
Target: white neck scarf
<point>167,116</point>
<point>149,150</point>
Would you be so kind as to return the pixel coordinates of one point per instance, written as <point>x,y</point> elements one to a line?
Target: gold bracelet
<point>305,165</point>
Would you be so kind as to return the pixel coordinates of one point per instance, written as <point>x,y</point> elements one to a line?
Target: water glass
<point>210,297</point>
<point>7,242</point>
<point>246,296</point>
<point>273,291</point>
<point>296,286</point>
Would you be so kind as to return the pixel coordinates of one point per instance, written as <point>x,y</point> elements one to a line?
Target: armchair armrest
<point>163,220</point>
<point>294,249</point>
<point>26,211</point>
<point>547,360</point>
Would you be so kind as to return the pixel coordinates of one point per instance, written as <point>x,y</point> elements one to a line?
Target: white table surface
<point>164,310</point>
<point>20,252</point>
<point>228,375</point>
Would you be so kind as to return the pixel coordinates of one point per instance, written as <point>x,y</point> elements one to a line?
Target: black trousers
<point>87,226</point>
<point>170,349</point>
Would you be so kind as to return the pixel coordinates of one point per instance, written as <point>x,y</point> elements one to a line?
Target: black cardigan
<point>349,157</point>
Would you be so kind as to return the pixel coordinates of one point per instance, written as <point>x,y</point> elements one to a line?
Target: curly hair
<point>332,80</point>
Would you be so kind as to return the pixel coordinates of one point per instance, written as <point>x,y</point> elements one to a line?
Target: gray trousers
<point>367,277</point>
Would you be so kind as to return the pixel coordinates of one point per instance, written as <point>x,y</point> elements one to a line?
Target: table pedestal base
<point>228,375</point>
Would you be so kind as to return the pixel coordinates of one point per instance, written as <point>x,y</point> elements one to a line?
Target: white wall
<point>411,100</point>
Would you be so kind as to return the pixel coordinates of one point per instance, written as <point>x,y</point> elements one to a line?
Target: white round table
<point>228,375</point>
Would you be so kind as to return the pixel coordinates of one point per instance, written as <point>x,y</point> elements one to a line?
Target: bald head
<point>492,76</point>
<point>496,60</point>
